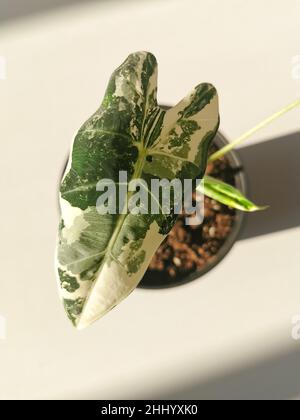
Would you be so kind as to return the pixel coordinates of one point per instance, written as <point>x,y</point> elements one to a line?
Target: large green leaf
<point>102,258</point>
<point>227,194</point>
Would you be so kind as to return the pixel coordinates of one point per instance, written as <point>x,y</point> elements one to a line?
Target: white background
<point>210,338</point>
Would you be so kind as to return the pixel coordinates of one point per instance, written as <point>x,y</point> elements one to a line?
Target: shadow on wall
<point>273,379</point>
<point>273,171</point>
<point>14,9</point>
<point>273,174</point>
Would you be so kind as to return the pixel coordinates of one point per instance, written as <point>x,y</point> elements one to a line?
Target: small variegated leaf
<point>227,194</point>
<point>102,258</point>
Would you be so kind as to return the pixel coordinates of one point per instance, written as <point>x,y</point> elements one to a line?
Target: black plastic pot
<point>159,280</point>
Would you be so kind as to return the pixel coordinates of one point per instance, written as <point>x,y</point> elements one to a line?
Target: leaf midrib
<point>137,173</point>
<point>120,223</point>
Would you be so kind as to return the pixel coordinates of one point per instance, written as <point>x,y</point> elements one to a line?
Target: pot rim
<point>240,183</point>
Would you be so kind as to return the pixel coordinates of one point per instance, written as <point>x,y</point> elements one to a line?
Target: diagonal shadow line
<point>16,9</point>
<point>273,175</point>
<point>276,378</point>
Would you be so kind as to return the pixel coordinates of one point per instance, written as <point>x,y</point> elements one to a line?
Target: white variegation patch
<point>70,213</point>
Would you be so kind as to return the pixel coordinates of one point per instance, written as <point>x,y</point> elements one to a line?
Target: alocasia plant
<point>102,258</point>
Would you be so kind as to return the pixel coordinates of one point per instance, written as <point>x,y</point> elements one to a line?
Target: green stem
<point>245,136</point>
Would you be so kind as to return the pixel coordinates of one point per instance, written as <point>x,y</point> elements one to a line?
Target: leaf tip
<point>258,208</point>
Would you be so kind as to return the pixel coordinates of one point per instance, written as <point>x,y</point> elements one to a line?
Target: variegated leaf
<point>102,258</point>
<point>227,194</point>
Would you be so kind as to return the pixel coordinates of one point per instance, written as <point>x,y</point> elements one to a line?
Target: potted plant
<point>112,219</point>
<point>188,253</point>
